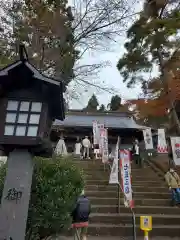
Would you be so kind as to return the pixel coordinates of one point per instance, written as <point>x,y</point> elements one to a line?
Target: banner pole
<point>119,176</point>
<point>146,236</point>
<point>134,224</point>
<point>119,198</point>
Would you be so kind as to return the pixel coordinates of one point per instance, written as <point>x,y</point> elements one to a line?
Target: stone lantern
<point>29,103</point>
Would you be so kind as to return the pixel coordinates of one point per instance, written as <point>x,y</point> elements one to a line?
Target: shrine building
<point>79,124</point>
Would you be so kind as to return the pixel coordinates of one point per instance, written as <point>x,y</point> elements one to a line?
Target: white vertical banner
<point>96,132</point>
<point>162,145</point>
<point>148,138</point>
<point>100,128</point>
<point>125,166</point>
<point>101,138</point>
<point>114,176</point>
<point>105,152</point>
<point>175,144</point>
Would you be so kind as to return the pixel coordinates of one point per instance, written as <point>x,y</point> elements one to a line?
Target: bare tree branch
<point>96,24</point>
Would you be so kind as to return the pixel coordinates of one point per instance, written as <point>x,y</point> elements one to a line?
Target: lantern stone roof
<point>113,120</point>
<point>4,72</point>
<point>23,75</point>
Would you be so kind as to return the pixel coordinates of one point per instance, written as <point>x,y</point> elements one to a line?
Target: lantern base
<point>42,148</point>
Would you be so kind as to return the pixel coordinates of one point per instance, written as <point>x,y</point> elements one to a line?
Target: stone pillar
<point>16,196</point>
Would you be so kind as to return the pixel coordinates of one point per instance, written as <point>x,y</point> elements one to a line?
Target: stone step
<point>127,230</point>
<point>145,183</point>
<point>126,218</point>
<point>107,166</point>
<point>134,174</point>
<point>99,166</point>
<point>107,170</point>
<point>106,176</point>
<point>144,210</point>
<point>134,182</point>
<point>138,201</point>
<point>122,230</point>
<point>136,188</point>
<point>134,178</point>
<point>154,195</point>
<point>114,238</point>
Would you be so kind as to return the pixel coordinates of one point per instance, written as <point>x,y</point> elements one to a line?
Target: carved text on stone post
<point>13,194</point>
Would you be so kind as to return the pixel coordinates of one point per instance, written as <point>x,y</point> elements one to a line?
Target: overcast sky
<point>110,76</point>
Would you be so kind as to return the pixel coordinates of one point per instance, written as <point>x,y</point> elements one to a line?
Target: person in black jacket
<point>80,216</point>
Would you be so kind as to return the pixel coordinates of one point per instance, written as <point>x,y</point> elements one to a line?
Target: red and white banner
<point>175,144</point>
<point>101,140</point>
<point>103,146</point>
<point>162,145</point>
<point>114,176</point>
<point>148,138</point>
<point>95,140</point>
<point>125,166</point>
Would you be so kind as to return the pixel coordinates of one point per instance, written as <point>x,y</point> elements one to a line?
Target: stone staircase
<point>151,198</point>
<point>161,161</point>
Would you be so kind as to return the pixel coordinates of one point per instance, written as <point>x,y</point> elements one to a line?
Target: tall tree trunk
<point>165,74</point>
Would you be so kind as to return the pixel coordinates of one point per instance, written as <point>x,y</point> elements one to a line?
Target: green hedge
<point>55,187</point>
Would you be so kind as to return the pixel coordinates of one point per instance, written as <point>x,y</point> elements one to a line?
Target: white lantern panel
<point>22,118</point>
<point>20,131</point>
<point>10,117</point>
<point>32,131</point>
<point>36,107</point>
<point>24,107</point>
<point>12,105</point>
<point>9,130</point>
<point>34,118</point>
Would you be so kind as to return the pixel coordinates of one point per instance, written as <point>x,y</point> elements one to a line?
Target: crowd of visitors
<point>83,148</point>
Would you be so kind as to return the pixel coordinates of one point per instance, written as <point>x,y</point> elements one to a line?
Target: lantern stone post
<point>29,102</point>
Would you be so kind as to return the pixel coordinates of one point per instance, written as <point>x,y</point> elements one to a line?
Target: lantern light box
<point>29,102</point>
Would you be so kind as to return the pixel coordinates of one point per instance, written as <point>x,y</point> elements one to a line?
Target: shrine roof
<point>114,120</point>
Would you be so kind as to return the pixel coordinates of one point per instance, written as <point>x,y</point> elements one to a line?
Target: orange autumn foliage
<point>159,99</point>
<point>174,86</point>
<point>148,108</point>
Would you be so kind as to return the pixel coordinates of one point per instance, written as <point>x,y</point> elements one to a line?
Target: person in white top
<point>136,153</point>
<point>78,147</point>
<point>86,146</point>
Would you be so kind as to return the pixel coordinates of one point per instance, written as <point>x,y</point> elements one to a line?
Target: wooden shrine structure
<point>79,124</point>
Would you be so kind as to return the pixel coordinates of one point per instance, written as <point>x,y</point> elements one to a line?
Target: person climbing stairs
<point>151,197</point>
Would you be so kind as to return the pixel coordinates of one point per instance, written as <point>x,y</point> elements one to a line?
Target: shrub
<point>56,185</point>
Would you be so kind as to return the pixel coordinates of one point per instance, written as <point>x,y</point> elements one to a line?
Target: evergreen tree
<point>146,37</point>
<point>153,40</point>
<point>102,108</point>
<point>92,103</point>
<point>115,103</point>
